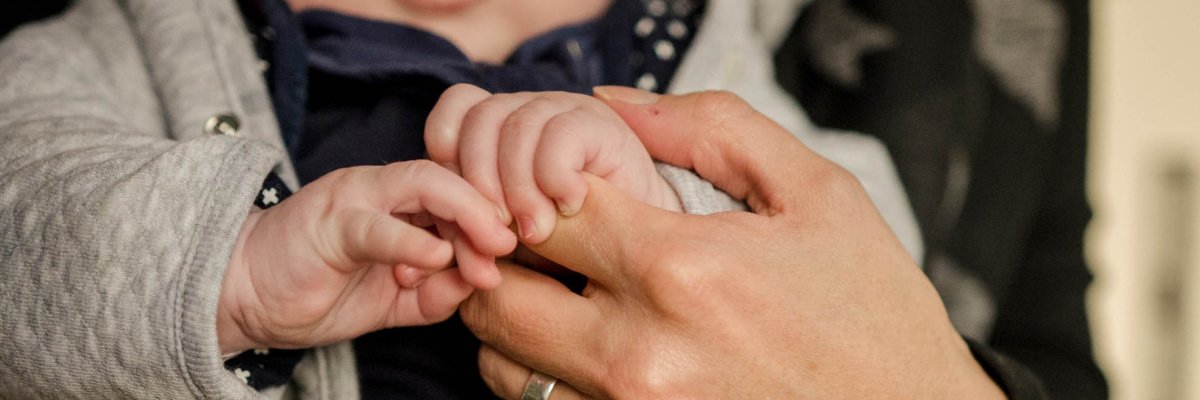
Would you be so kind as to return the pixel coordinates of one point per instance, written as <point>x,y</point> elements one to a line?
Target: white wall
<point>1146,116</point>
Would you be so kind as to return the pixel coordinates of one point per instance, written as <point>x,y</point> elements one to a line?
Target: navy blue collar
<point>350,46</point>
<point>571,58</point>
<point>636,43</point>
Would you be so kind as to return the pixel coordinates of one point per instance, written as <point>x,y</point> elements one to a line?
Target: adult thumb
<point>611,231</point>
<point>722,138</point>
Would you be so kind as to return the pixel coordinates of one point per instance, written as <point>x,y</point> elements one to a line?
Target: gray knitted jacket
<point>120,202</point>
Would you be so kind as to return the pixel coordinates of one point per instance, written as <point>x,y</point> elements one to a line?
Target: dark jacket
<point>984,109</point>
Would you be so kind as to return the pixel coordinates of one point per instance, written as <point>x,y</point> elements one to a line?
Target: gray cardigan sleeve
<point>113,237</point>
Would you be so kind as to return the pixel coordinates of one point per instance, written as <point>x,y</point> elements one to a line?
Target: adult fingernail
<point>625,94</point>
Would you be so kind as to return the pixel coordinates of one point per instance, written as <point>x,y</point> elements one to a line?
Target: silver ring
<point>539,386</point>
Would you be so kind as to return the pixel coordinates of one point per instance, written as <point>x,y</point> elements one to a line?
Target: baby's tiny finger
<point>441,294</point>
<point>558,168</point>
<point>433,301</point>
<point>535,213</point>
<point>410,277</point>
<point>477,269</point>
<point>478,152</point>
<point>444,123</point>
<point>421,186</point>
<point>369,238</point>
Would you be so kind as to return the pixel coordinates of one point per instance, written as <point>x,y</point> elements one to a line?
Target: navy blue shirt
<point>350,91</point>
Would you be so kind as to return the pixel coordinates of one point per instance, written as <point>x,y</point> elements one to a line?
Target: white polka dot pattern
<point>662,35</point>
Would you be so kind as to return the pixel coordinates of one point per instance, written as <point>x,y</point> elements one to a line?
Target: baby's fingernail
<point>503,230</point>
<point>412,277</point>
<point>565,209</point>
<point>500,212</point>
<point>527,227</point>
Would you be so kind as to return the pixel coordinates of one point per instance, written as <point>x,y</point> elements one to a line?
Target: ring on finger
<point>539,386</point>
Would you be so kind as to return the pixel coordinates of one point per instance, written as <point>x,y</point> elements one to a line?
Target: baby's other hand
<point>527,152</point>
<point>343,256</point>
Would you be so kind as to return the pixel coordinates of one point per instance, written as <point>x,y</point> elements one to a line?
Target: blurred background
<point>1144,243</point>
<point>1143,130</point>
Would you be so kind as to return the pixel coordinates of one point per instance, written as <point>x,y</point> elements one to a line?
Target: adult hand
<point>808,296</point>
<point>344,256</point>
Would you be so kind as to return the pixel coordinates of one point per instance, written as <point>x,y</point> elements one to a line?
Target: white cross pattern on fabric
<point>270,196</point>
<point>242,374</point>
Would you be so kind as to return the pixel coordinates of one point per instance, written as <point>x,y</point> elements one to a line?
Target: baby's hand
<point>336,260</point>
<point>527,152</point>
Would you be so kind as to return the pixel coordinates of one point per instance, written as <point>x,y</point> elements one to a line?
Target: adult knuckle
<point>833,193</point>
<point>677,279</point>
<point>717,113</point>
<point>477,317</point>
<point>720,103</point>
<point>494,320</point>
<point>646,376</point>
<point>672,270</point>
<point>837,182</point>
<point>517,326</point>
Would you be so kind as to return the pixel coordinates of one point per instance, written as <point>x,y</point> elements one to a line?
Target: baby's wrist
<point>668,199</point>
<point>231,333</point>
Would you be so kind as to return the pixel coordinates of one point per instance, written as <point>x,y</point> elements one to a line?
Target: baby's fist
<point>527,152</point>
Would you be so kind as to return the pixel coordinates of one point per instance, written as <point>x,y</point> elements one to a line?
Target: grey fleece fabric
<point>118,213</point>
